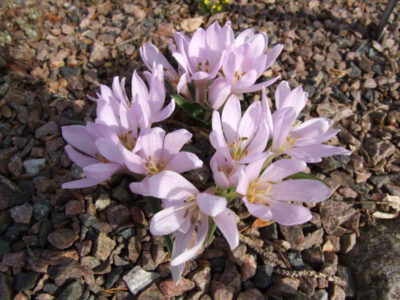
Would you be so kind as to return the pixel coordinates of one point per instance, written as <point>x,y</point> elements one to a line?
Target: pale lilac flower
<point>299,140</point>
<point>242,139</point>
<point>159,151</point>
<point>225,170</point>
<point>243,65</point>
<point>186,214</point>
<point>97,163</point>
<point>269,197</point>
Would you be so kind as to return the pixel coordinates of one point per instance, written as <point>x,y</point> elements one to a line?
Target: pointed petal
<point>273,54</point>
<point>258,86</point>
<point>289,214</point>
<point>183,162</point>
<point>78,158</point>
<point>181,243</point>
<point>218,92</point>
<point>231,115</point>
<point>282,169</point>
<point>167,220</point>
<point>165,113</point>
<point>151,142</point>
<point>258,210</point>
<point>210,204</point>
<point>78,137</point>
<point>250,121</point>
<point>80,183</point>
<point>174,141</point>
<point>226,222</point>
<point>283,120</point>
<point>109,150</point>
<point>315,152</point>
<point>304,190</point>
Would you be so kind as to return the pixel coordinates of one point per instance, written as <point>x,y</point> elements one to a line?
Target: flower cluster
<point>215,69</point>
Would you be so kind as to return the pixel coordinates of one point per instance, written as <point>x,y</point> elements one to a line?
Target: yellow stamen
<point>127,140</point>
<point>236,150</point>
<point>153,167</point>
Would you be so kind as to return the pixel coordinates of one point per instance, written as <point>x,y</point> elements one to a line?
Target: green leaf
<point>302,175</point>
<point>193,110</point>
<point>169,243</point>
<point>211,230</point>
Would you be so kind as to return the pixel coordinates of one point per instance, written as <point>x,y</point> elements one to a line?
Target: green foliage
<point>213,6</point>
<point>194,110</point>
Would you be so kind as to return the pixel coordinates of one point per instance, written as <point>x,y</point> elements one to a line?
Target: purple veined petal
<point>201,235</point>
<point>273,55</point>
<point>259,141</point>
<point>258,45</point>
<point>107,116</point>
<point>214,38</point>
<point>200,75</point>
<point>303,190</point>
<point>174,141</point>
<point>157,89</point>
<point>170,185</point>
<point>218,92</point>
<point>249,122</point>
<point>311,128</point>
<point>283,120</point>
<point>318,139</point>
<point>109,150</point>
<point>229,66</point>
<point>151,141</point>
<point>150,55</point>
<point>217,138</point>
<point>267,111</point>
<point>258,86</point>
<point>168,220</point>
<point>183,162</point>
<point>139,88</point>
<point>282,92</point>
<point>181,243</point>
<point>243,183</point>
<point>217,164</point>
<point>254,157</point>
<point>182,83</point>
<point>314,152</point>
<point>118,89</point>
<point>259,211</point>
<point>123,117</point>
<point>132,161</point>
<point>244,36</point>
<point>101,171</point>
<point>78,158</point>
<point>165,113</point>
<point>296,98</point>
<point>79,137</point>
<point>289,214</point>
<point>248,79</point>
<point>182,61</point>
<point>197,43</point>
<point>210,204</point>
<point>80,183</point>
<point>282,169</point>
<point>226,222</point>
<point>231,116</point>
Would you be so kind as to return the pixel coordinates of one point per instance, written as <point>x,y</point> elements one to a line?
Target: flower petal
<point>231,115</point>
<point>289,214</point>
<point>226,222</point>
<point>211,205</point>
<point>174,141</point>
<point>180,245</point>
<point>167,220</point>
<point>304,190</point>
<point>258,210</point>
<point>282,169</point>
<point>183,162</point>
<point>78,158</point>
<point>151,141</point>
<point>109,150</point>
<point>78,137</point>
<point>218,92</point>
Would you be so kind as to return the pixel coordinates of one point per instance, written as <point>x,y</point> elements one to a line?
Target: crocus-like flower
<point>97,167</point>
<point>299,140</point>
<point>186,214</point>
<point>243,64</point>
<point>242,139</point>
<point>225,170</point>
<point>268,196</point>
<point>159,151</point>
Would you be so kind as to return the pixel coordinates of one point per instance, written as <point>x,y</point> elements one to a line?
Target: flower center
<point>203,66</point>
<point>101,158</point>
<point>257,192</point>
<point>127,140</point>
<point>154,167</point>
<point>236,149</point>
<point>290,142</point>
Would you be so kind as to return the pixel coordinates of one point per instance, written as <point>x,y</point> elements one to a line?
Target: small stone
<point>252,294</point>
<point>73,208</point>
<point>44,184</point>
<point>370,83</point>
<point>320,295</point>
<point>99,52</point>
<point>345,274</point>
<point>347,242</point>
<point>263,277</point>
<point>134,248</point>
<point>231,277</point>
<point>34,166</point>
<point>67,271</point>
<point>67,29</point>
<point>78,106</point>
<point>4,247</point>
<point>308,285</point>
<point>171,288</point>
<point>15,165</point>
<point>151,293</point>
<point>202,278</point>
<point>238,254</point>
<point>104,246</point>
<point>269,232</point>
<point>83,247</point>
<point>6,291</point>
<point>49,128</point>
<point>285,286</point>
<point>103,202</point>
<point>22,214</point>
<point>15,259</point>
<point>294,235</point>
<point>166,30</point>
<point>337,293</point>
<point>314,257</point>
<point>112,277</point>
<point>249,267</point>
<point>41,210</point>
<point>117,215</point>
<point>137,279</point>
<point>62,238</point>
<point>295,260</point>
<point>72,291</point>
<point>192,24</point>
<point>220,291</point>
<point>25,281</point>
